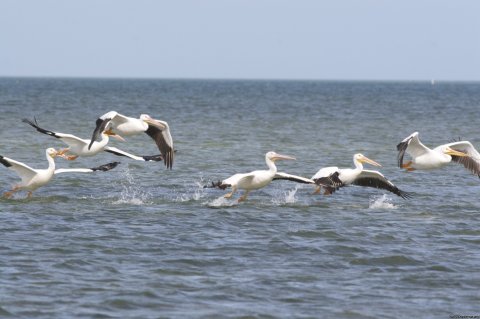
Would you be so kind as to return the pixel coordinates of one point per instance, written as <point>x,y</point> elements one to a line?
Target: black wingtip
<point>38,128</point>
<point>153,158</point>
<point>25,120</point>
<point>218,184</point>
<point>405,195</point>
<point>106,167</point>
<point>4,162</point>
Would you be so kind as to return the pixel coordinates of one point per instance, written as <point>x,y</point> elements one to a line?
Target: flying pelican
<point>259,179</point>
<point>357,176</point>
<point>158,130</point>
<point>35,178</point>
<point>423,157</point>
<point>79,147</point>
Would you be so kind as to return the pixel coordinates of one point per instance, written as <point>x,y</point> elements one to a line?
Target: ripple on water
<point>5,313</point>
<point>394,260</point>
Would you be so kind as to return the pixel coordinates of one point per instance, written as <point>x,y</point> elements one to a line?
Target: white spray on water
<point>381,202</point>
<point>132,193</point>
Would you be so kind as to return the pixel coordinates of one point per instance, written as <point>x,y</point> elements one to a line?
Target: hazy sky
<point>273,39</point>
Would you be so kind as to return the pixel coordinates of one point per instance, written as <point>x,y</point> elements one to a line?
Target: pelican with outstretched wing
<point>35,178</point>
<point>423,158</point>
<point>357,176</point>
<point>260,178</point>
<point>158,130</point>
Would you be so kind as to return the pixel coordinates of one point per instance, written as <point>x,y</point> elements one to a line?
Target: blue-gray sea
<point>142,241</point>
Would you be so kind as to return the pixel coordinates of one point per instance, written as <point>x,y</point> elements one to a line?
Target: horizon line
<point>431,80</point>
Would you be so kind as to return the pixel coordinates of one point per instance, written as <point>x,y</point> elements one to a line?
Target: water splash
<point>132,193</point>
<point>288,197</point>
<point>222,202</point>
<point>195,192</point>
<point>381,202</point>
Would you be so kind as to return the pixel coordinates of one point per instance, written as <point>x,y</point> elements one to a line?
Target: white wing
<point>118,152</point>
<point>104,168</point>
<point>293,178</point>
<point>72,140</point>
<point>470,162</point>
<point>116,118</point>
<point>412,146</point>
<point>325,172</point>
<point>68,139</point>
<point>25,172</point>
<point>234,179</point>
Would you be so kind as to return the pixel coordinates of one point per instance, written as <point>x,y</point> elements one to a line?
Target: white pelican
<point>158,130</point>
<point>357,176</point>
<point>79,147</point>
<point>34,178</point>
<point>260,178</point>
<point>423,157</point>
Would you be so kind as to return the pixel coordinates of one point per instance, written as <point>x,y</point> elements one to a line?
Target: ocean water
<point>142,241</point>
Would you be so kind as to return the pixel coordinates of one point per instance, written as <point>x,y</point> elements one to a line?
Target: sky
<point>242,39</point>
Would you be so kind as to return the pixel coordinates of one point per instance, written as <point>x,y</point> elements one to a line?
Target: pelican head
<point>51,152</point>
<point>109,132</point>
<point>360,158</point>
<point>151,121</point>
<point>272,156</point>
<point>450,151</point>
<point>145,117</point>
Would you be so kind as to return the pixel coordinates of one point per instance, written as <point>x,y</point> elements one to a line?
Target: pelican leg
<point>327,192</point>
<point>10,193</point>
<point>62,154</point>
<point>63,151</point>
<point>29,195</point>
<point>231,193</point>
<point>317,189</point>
<point>243,197</point>
<point>408,166</point>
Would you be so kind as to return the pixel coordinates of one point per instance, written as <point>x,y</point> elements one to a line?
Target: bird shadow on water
<point>21,198</point>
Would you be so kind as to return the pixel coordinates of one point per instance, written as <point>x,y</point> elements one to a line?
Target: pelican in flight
<point>158,130</point>
<point>357,176</point>
<point>79,147</point>
<point>423,158</point>
<point>259,179</point>
<point>35,178</point>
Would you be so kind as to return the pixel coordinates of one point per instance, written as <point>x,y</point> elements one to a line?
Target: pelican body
<point>424,158</point>
<point>158,130</point>
<point>35,178</point>
<point>357,176</point>
<point>260,178</point>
